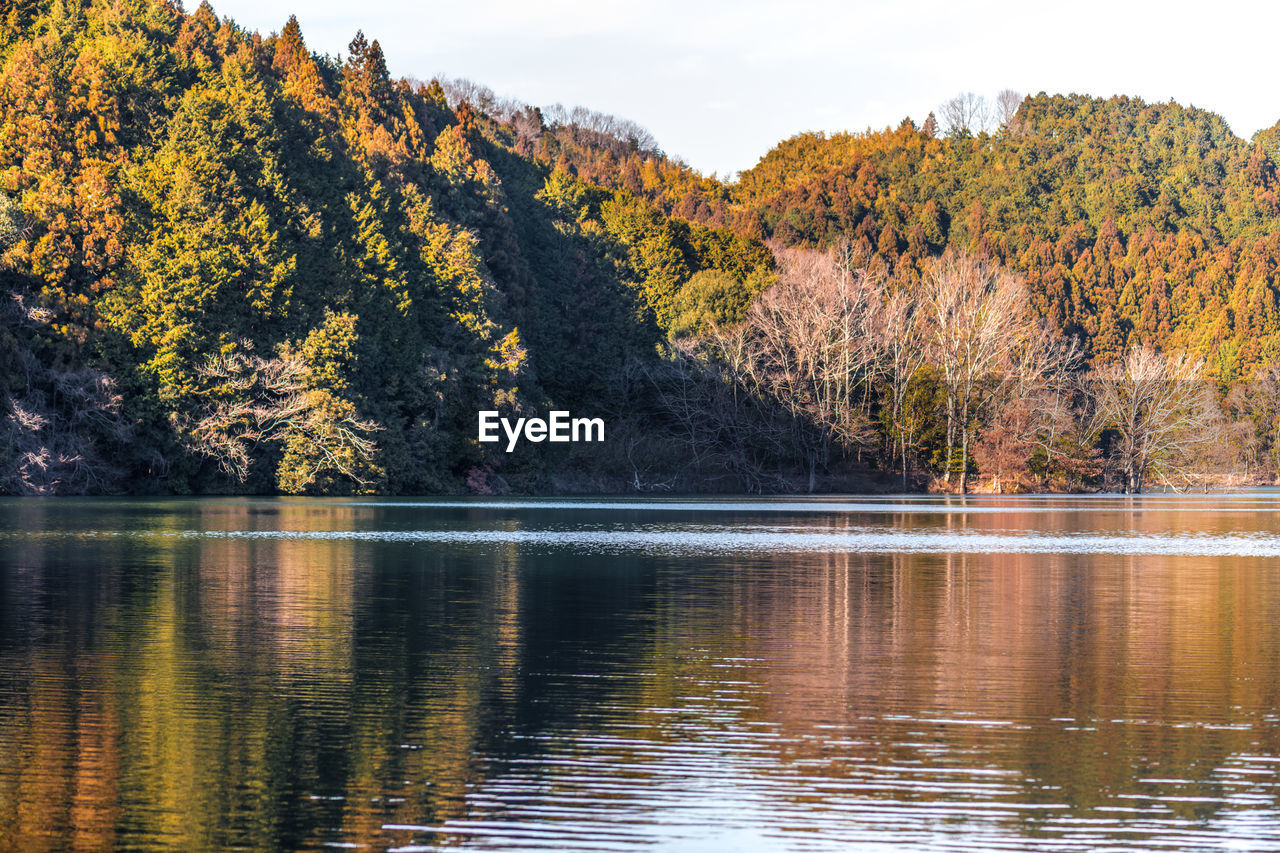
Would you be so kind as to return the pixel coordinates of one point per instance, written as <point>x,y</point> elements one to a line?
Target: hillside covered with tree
<point>230,264</point>
<point>1133,223</point>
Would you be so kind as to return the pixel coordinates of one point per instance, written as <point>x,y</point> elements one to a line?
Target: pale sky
<point>719,83</point>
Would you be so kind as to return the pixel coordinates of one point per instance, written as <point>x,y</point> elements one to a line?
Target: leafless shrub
<point>51,435</point>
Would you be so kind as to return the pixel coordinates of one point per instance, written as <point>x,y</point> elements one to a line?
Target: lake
<point>1045,672</point>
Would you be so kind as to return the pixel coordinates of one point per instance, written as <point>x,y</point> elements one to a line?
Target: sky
<point>719,83</point>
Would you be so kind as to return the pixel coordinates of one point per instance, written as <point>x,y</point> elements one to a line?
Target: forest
<point>232,265</point>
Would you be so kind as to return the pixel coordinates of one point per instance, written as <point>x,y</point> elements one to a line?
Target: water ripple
<point>772,540</point>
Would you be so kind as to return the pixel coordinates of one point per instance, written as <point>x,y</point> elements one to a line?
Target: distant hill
<point>1133,222</point>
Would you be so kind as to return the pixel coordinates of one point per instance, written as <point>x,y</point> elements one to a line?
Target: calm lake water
<point>1047,673</point>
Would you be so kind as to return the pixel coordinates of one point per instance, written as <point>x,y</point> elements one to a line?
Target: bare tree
<point>49,436</point>
<point>903,334</point>
<point>1008,102</point>
<point>460,90</point>
<point>722,426</point>
<point>1029,407</point>
<point>966,114</point>
<point>1164,414</point>
<point>57,426</point>
<point>527,124</point>
<point>812,349</point>
<point>980,315</point>
<point>250,401</point>
<point>602,129</point>
<point>1255,406</point>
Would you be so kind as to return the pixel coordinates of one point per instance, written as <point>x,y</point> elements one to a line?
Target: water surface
<point>1052,673</point>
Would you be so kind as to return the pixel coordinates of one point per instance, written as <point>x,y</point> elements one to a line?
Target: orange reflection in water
<point>166,690</point>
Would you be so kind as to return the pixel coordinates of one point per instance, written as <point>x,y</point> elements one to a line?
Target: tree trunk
<point>964,447</point>
<point>904,464</point>
<point>947,462</point>
<point>1134,486</point>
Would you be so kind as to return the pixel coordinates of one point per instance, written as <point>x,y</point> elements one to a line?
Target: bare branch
<point>966,114</point>
<point>250,401</point>
<point>1165,415</point>
<point>1008,102</point>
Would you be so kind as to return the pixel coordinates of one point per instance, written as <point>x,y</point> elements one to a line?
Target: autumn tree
<point>175,189</point>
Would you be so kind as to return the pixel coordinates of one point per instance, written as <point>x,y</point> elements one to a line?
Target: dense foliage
<point>293,273</point>
<point>231,264</point>
<point>1133,223</point>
